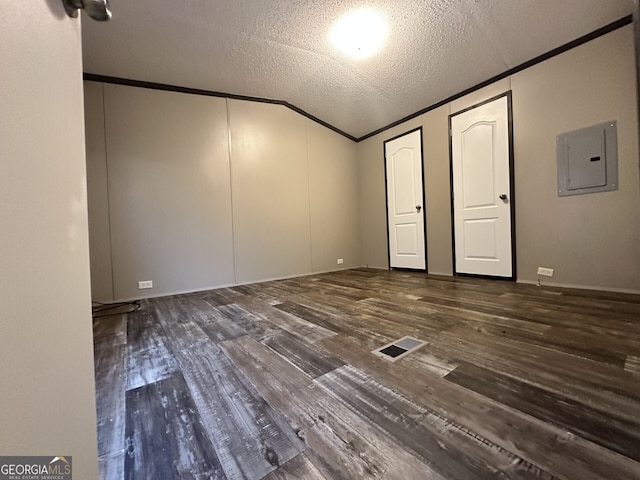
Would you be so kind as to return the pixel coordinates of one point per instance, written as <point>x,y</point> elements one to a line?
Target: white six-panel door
<point>481,190</point>
<point>405,209</point>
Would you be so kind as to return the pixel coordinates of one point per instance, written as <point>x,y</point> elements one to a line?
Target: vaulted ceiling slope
<point>280,49</point>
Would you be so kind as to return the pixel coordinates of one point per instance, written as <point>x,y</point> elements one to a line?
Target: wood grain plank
<point>256,325</point>
<point>296,285</point>
<point>632,364</point>
<point>582,347</point>
<point>111,467</point>
<point>217,326</point>
<point>367,329</point>
<point>564,336</point>
<point>250,438</point>
<point>319,300</point>
<point>340,443</point>
<point>312,360</point>
<point>111,330</point>
<point>581,303</point>
<point>110,398</point>
<point>350,432</point>
<point>600,385</point>
<point>615,342</point>
<point>266,291</point>
<point>424,360</point>
<point>537,312</point>
<point>449,448</point>
<point>564,455</point>
<point>149,358</point>
<point>180,330</point>
<point>368,319</point>
<point>549,338</point>
<point>337,288</point>
<point>164,435</point>
<point>606,297</point>
<point>221,296</point>
<point>617,434</point>
<point>295,469</point>
<point>295,325</point>
<point>426,320</point>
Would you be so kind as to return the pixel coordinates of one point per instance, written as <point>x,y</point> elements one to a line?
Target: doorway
<point>405,201</point>
<point>482,189</point>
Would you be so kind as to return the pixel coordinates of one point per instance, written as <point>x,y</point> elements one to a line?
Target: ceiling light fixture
<point>360,33</point>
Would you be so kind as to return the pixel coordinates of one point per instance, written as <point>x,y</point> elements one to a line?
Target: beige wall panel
<point>97,195</point>
<point>435,139</point>
<point>590,240</point>
<point>481,95</point>
<point>270,181</point>
<point>46,348</point>
<point>169,191</point>
<point>334,199</point>
<point>373,222</point>
<point>435,142</point>
<point>373,208</point>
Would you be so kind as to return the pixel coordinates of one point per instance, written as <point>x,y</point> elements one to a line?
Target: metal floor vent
<point>399,348</point>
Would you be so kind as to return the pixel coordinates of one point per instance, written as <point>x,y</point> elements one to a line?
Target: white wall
<point>334,192</point>
<point>46,353</point>
<point>98,193</point>
<point>292,185</point>
<point>270,181</point>
<point>194,192</point>
<point>373,214</point>
<point>169,193</point>
<point>592,241</point>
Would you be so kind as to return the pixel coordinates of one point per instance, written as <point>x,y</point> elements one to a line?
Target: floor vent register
<point>399,348</point>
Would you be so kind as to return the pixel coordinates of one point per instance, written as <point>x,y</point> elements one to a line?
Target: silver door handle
<point>97,9</point>
<point>418,208</point>
<point>503,196</point>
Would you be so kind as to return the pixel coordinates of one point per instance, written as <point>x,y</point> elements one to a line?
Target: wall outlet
<point>340,261</point>
<point>545,272</point>
<point>145,284</point>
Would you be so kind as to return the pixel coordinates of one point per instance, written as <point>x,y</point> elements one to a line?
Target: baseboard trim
<point>594,288</point>
<point>228,285</point>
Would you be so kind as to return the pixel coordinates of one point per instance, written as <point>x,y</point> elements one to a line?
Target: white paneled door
<point>482,190</point>
<point>405,201</point>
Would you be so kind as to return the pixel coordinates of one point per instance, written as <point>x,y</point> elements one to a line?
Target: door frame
<point>424,204</point>
<point>512,187</point>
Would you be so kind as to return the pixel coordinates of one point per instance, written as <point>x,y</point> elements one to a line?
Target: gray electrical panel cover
<point>588,160</point>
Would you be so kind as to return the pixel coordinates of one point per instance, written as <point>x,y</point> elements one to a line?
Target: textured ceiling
<point>279,49</point>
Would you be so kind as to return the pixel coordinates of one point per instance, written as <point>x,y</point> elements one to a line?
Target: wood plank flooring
<point>277,381</point>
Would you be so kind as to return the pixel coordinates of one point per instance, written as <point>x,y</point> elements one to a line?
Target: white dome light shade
<point>360,33</point>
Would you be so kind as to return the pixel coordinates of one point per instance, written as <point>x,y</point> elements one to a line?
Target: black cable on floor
<point>97,308</point>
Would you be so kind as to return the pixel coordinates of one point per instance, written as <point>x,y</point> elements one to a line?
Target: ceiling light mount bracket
<point>96,9</point>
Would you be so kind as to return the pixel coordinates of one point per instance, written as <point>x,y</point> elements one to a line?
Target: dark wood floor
<point>276,381</point>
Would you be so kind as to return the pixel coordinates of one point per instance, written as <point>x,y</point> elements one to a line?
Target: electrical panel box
<point>588,160</point>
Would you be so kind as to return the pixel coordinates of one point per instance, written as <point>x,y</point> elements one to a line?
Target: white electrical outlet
<point>340,261</point>
<point>143,285</point>
<point>545,272</point>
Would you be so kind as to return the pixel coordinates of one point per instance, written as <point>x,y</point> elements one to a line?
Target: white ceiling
<point>279,49</point>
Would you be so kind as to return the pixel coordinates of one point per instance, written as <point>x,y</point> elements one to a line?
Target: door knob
<point>503,196</point>
<point>418,207</point>
<point>97,9</point>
